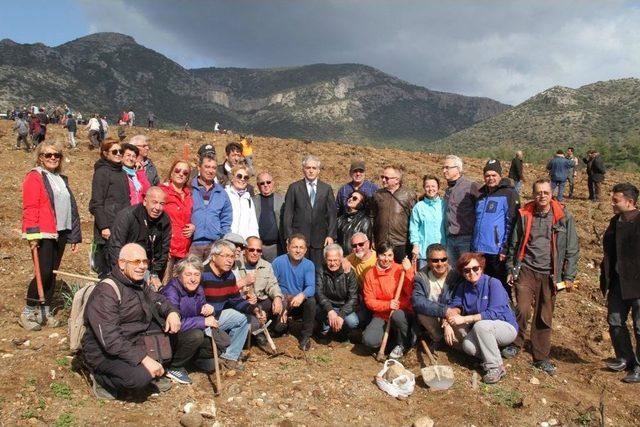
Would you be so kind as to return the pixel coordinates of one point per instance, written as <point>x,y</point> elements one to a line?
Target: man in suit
<point>268,207</point>
<point>310,209</point>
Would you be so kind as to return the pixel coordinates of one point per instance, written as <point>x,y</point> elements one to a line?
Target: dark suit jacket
<point>315,223</point>
<point>278,207</point>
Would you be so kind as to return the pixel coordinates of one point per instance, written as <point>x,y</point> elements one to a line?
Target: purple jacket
<point>487,298</point>
<point>188,304</point>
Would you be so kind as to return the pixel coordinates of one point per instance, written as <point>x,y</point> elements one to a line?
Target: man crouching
<point>113,345</point>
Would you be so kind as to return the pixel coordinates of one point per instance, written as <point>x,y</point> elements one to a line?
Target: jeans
<point>518,186</point>
<point>351,321</point>
<point>72,139</point>
<point>560,186</point>
<point>617,313</point>
<point>456,246</point>
<point>400,332</point>
<point>237,326</point>
<point>484,339</point>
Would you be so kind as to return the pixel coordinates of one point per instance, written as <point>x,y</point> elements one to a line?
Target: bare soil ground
<point>331,385</point>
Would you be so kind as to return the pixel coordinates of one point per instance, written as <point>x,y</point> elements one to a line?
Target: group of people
<point>201,255</point>
<point>562,169</point>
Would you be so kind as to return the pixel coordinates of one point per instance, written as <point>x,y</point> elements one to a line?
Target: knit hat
<point>206,148</point>
<point>356,165</point>
<point>493,165</point>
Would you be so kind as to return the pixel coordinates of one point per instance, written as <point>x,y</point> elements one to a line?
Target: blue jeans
<point>456,246</point>
<point>518,186</point>
<point>560,185</point>
<point>237,326</point>
<point>351,321</point>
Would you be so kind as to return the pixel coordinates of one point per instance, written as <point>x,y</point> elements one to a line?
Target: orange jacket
<point>380,288</point>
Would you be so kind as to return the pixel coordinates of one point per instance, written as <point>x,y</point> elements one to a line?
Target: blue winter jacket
<point>559,168</point>
<point>426,225</point>
<point>495,216</point>
<point>213,220</point>
<point>487,298</point>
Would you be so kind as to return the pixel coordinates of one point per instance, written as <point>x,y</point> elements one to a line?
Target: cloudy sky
<point>506,50</point>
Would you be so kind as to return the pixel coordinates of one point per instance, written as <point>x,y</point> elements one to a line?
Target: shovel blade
<point>437,377</point>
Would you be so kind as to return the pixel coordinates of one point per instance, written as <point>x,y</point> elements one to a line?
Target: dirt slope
<point>332,385</point>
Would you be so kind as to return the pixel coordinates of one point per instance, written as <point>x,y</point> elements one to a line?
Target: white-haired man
<point>150,170</point>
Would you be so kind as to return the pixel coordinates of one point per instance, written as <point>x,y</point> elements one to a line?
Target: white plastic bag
<point>401,386</point>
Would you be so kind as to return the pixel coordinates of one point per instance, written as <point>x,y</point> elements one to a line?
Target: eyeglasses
<point>117,151</point>
<point>436,260</point>
<point>258,250</point>
<point>387,178</point>
<point>137,262</point>
<point>184,172</point>
<point>52,155</point>
<point>355,198</point>
<point>242,177</point>
<point>446,168</point>
<point>264,183</point>
<point>468,270</point>
<point>360,245</point>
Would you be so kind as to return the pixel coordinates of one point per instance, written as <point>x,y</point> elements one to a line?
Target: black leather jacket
<point>350,224</point>
<point>337,290</point>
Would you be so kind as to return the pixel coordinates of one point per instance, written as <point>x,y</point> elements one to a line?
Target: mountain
<point>599,114</point>
<point>108,72</point>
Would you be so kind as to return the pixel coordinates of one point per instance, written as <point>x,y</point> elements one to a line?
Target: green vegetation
<point>586,418</point>
<point>63,361</point>
<point>65,420</point>
<point>68,294</point>
<point>61,390</point>
<point>509,398</point>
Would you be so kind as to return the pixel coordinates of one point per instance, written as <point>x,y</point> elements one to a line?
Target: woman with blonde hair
<point>244,220</point>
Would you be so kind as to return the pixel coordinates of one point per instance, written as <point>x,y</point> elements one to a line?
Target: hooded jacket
<point>109,195</point>
<point>337,289</point>
<point>426,225</point>
<point>564,241</point>
<point>179,211</point>
<point>495,216</point>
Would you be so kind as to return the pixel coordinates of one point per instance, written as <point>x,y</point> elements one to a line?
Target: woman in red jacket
<point>178,205</point>
<point>50,221</point>
<point>379,290</point>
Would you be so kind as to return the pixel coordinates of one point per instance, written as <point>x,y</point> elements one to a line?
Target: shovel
<point>437,377</point>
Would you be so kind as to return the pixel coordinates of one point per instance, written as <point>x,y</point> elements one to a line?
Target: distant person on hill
<point>269,208</point>
<point>595,174</point>
<point>460,199</point>
<point>573,172</point>
<point>22,128</point>
<point>36,131</point>
<point>543,252</point>
<point>151,120</point>
<point>216,128</point>
<point>619,279</point>
<point>104,131</point>
<point>358,182</point>
<point>44,122</point>
<point>516,171</point>
<point>390,210</point>
<point>93,127</point>
<point>71,127</point>
<point>144,161</point>
<point>124,117</point>
<point>496,209</point>
<point>310,209</point>
<point>233,151</point>
<point>559,168</point>
<point>247,151</point>
<point>132,118</point>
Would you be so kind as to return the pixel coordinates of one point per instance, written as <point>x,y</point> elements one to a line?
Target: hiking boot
<point>397,352</point>
<point>305,344</point>
<point>617,365</point>
<point>229,364</point>
<point>633,377</point>
<point>494,375</point>
<point>29,321</point>
<point>49,319</point>
<point>260,340</point>
<point>545,366</point>
<point>178,375</point>
<point>205,365</point>
<point>510,351</point>
<point>160,385</point>
<point>100,392</point>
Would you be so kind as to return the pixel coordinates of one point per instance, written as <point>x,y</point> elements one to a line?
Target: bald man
<point>113,346</point>
<point>148,225</point>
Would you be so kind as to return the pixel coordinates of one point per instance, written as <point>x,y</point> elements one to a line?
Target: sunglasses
<point>468,270</point>
<point>355,198</point>
<point>178,171</point>
<point>242,177</point>
<point>137,262</point>
<point>258,250</point>
<point>52,155</point>
<point>435,260</point>
<point>264,182</point>
<point>117,151</point>
<point>387,178</point>
<point>360,245</point>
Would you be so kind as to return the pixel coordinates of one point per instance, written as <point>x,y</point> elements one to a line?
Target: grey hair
<point>519,153</point>
<point>360,233</point>
<point>457,161</point>
<point>192,261</point>
<point>332,247</point>
<point>219,245</point>
<point>311,158</point>
<point>136,138</point>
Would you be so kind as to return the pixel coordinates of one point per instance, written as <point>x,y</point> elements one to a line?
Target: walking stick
<point>385,337</point>
<point>216,362</point>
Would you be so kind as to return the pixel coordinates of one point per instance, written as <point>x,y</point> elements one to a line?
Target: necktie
<point>312,194</point>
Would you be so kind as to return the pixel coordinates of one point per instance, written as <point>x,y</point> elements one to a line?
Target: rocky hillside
<point>108,72</point>
<point>600,113</point>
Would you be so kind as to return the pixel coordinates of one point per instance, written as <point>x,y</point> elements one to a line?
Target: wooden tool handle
<point>385,337</point>
<point>36,270</point>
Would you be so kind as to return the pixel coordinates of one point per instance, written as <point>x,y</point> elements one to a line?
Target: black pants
<point>316,255</point>
<point>617,313</point>
<point>191,344</point>
<point>265,305</point>
<point>400,251</point>
<point>94,139</point>
<point>50,253</point>
<point>498,269</point>
<point>23,139</point>
<point>101,263</point>
<point>308,311</point>
<point>400,333</point>
<point>117,375</point>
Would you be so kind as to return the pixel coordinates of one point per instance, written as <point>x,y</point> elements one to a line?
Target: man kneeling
<point>113,345</point>
<point>336,293</point>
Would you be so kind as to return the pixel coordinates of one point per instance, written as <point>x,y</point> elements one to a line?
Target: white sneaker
<point>397,352</point>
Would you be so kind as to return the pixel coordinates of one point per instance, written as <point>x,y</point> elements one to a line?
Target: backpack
<point>77,326</point>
